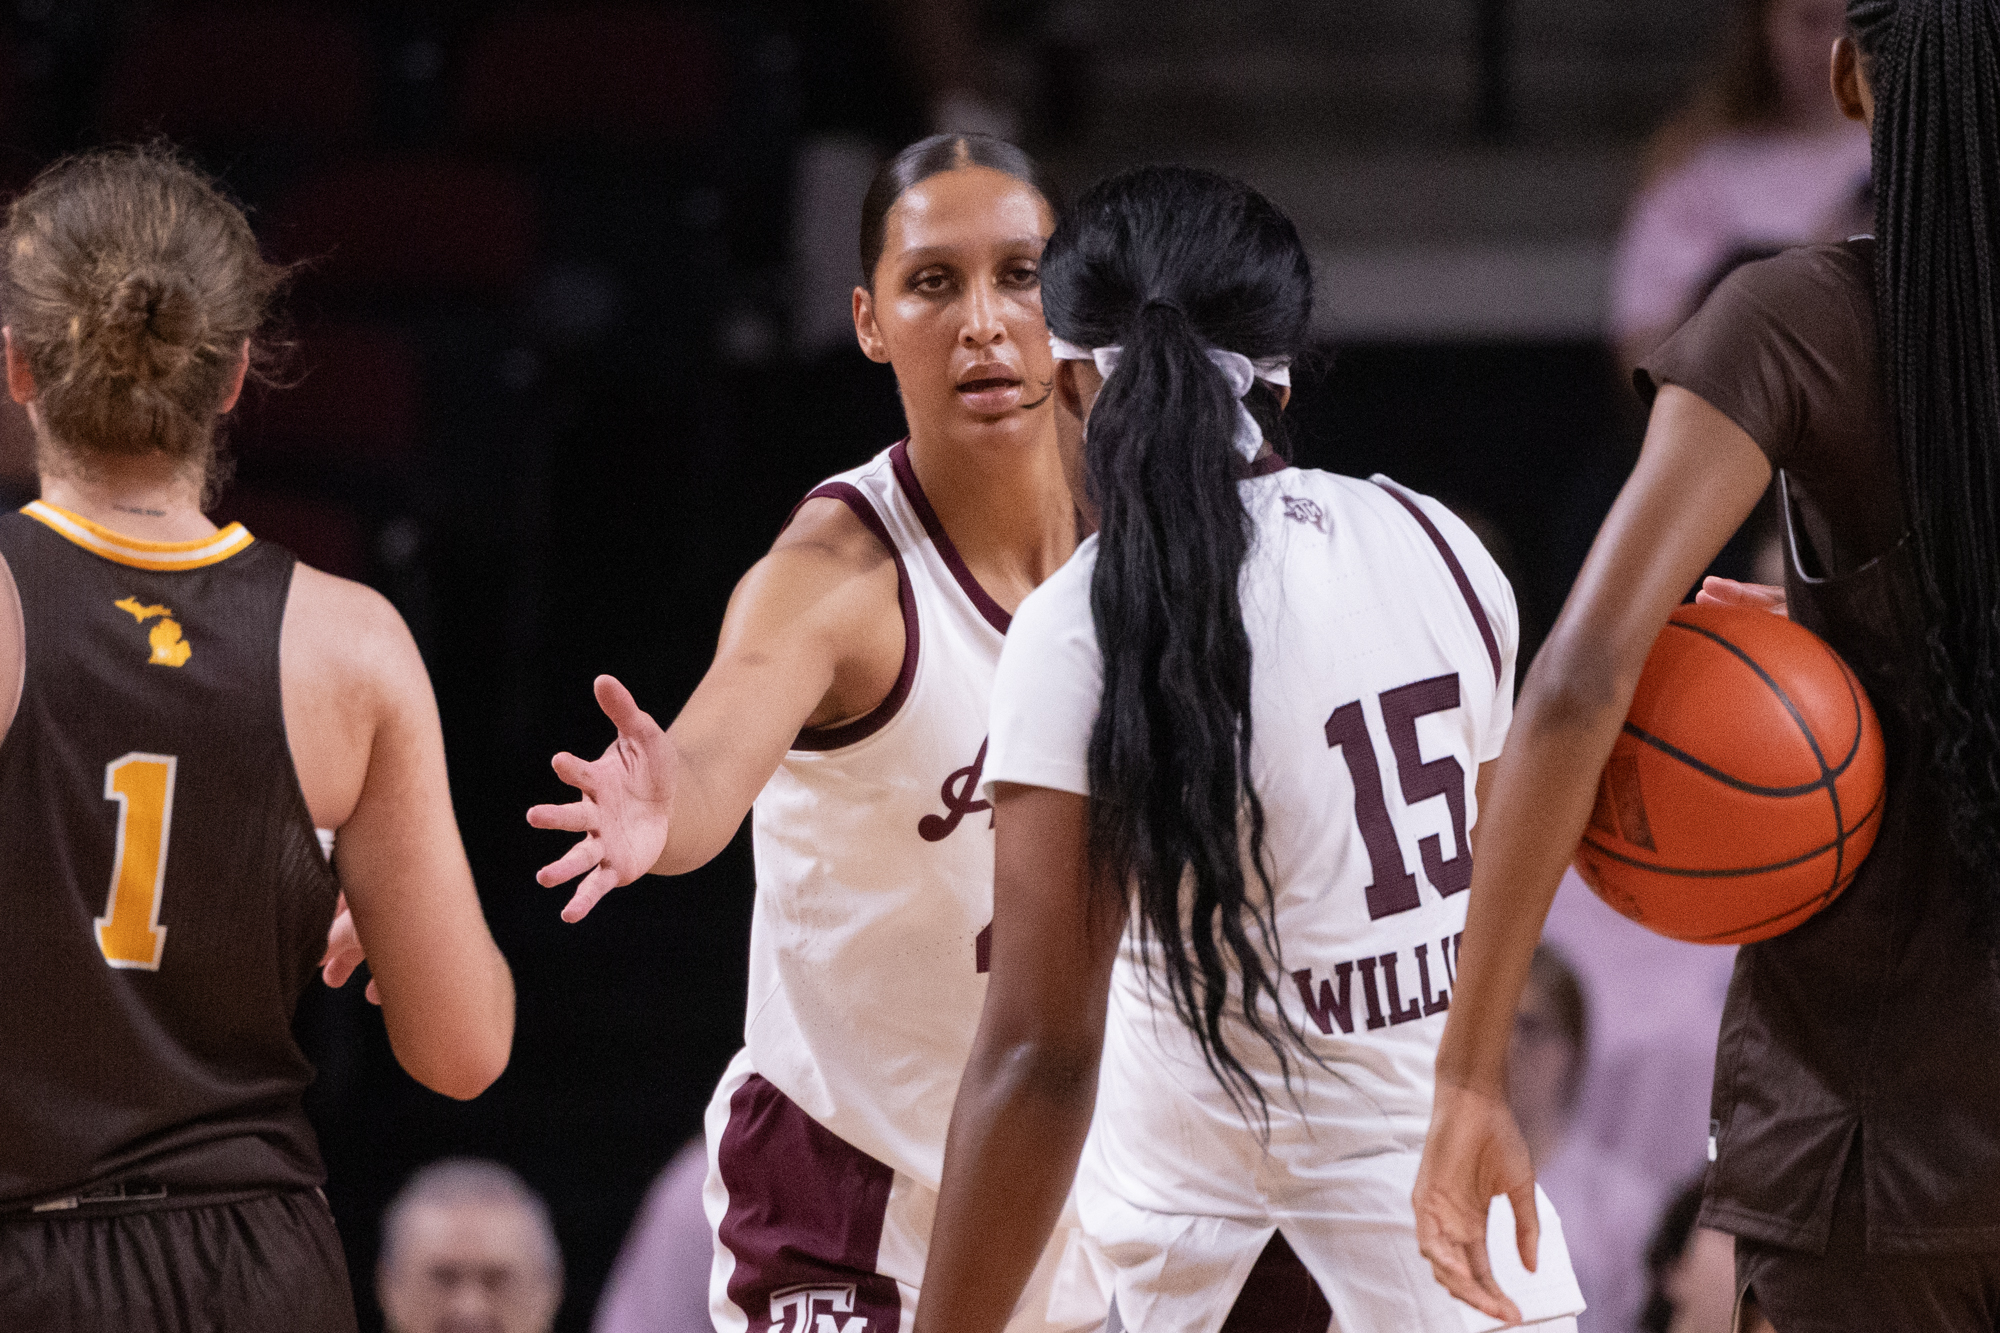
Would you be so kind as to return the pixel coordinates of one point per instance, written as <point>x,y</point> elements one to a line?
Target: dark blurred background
<point>569,339</point>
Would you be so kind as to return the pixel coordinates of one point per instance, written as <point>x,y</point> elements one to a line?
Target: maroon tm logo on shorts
<point>816,1310</point>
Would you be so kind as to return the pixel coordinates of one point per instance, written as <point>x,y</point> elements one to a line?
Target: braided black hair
<point>1168,262</point>
<point>1934,68</point>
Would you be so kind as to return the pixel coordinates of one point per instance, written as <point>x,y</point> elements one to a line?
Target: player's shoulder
<point>835,531</point>
<point>1835,263</point>
<point>834,557</point>
<point>1414,525</point>
<point>1426,512</point>
<point>833,570</point>
<point>839,528</point>
<point>351,631</point>
<point>342,605</point>
<point>1373,510</point>
<point>1803,283</point>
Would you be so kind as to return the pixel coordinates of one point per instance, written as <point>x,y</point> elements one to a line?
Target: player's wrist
<point>1472,1074</point>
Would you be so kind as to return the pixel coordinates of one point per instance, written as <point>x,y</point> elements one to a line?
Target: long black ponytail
<point>1168,263</point>
<point>1934,67</point>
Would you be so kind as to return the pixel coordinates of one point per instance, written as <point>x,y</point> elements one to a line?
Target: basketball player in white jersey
<point>1235,747</point>
<point>848,702</point>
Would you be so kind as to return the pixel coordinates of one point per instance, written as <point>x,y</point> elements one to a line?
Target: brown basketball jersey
<point>163,899</point>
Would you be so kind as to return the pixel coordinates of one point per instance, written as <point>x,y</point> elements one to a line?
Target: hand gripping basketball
<point>1751,596</point>
<point>627,799</point>
<point>1747,785</point>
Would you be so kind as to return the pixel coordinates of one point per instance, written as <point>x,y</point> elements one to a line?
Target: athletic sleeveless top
<point>875,862</point>
<point>1382,639</point>
<point>163,895</point>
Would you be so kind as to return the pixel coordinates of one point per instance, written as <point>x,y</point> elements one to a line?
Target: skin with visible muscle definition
<point>814,633</point>
<point>1698,478</point>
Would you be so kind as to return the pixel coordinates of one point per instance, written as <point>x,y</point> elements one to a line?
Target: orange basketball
<point>1747,786</point>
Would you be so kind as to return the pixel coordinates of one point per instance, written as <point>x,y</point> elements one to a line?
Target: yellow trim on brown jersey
<point>116,546</point>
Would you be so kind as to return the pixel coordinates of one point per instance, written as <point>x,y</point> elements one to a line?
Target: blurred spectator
<point>660,1283</point>
<point>1656,1006</point>
<point>1692,1271</point>
<point>467,1248</point>
<point>1761,159</point>
<point>1605,1206</point>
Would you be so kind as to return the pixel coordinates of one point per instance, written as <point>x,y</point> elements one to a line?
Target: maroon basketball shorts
<point>812,1235</point>
<point>268,1262</point>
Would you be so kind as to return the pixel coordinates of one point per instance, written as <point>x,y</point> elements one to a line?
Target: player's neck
<point>147,499</point>
<point>1007,510</point>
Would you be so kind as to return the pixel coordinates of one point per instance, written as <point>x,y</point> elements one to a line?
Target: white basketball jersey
<point>1382,638</point>
<point>874,859</point>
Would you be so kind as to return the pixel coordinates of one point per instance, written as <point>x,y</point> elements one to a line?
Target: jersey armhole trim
<point>1458,575</point>
<point>818,739</point>
<point>982,601</point>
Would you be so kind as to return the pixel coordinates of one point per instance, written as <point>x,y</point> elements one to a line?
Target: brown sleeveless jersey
<point>163,899</point>
<point>1876,1024</point>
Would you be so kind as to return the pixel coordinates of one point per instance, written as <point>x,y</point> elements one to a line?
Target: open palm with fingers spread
<point>627,802</point>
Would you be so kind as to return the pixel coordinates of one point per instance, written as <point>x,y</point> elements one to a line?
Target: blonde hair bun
<point>132,285</point>
<point>148,329</point>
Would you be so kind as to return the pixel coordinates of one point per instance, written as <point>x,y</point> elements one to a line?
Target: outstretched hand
<point>1473,1152</point>
<point>1753,596</point>
<point>627,800</point>
<point>344,952</point>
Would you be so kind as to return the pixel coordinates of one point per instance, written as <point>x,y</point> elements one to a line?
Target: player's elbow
<point>1052,1068</point>
<point>473,1076</point>
<point>464,1070</point>
<point>1576,685</point>
<point>461,1054</point>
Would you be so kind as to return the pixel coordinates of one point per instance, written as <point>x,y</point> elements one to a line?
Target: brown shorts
<point>1848,1290</point>
<point>271,1261</point>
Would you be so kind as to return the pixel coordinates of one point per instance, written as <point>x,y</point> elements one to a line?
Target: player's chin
<point>994,402</point>
<point>1019,416</point>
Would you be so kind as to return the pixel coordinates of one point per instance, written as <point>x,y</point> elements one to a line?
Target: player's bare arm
<point>13,648</point>
<point>365,738</point>
<point>1699,476</point>
<point>1029,1089</point>
<point>813,637</point>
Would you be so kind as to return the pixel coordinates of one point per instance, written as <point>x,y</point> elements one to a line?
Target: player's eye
<point>1023,275</point>
<point>930,282</point>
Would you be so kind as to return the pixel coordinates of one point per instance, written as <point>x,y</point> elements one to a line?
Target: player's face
<point>468,1268</point>
<point>956,307</point>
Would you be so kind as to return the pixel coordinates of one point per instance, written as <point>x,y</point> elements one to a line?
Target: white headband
<point>1238,369</point>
